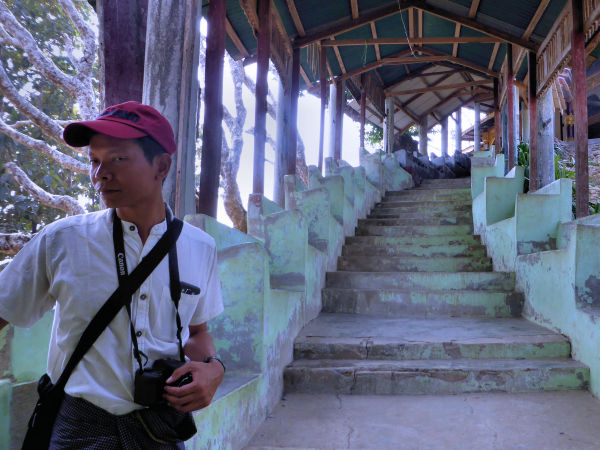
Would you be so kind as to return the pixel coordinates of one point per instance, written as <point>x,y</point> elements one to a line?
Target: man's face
<point>121,173</point>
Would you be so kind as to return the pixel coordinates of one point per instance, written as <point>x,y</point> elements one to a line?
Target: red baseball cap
<point>129,120</point>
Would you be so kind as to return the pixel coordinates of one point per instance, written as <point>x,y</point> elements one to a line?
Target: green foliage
<point>523,160</point>
<point>412,131</point>
<point>374,135</point>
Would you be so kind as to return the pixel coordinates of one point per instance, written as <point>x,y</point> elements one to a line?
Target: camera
<point>150,383</point>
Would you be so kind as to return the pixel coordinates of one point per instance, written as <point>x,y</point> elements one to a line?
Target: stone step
<point>417,208</point>
<point>431,193</point>
<point>401,220</point>
<point>484,281</point>
<point>421,302</point>
<point>434,376</point>
<point>467,215</point>
<point>414,230</point>
<point>413,264</point>
<point>395,241</point>
<point>353,336</point>
<point>407,250</point>
<point>423,205</point>
<point>434,183</point>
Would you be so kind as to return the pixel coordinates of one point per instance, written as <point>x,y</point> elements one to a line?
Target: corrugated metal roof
<point>511,17</point>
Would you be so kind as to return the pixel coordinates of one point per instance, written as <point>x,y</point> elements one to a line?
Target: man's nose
<point>101,172</point>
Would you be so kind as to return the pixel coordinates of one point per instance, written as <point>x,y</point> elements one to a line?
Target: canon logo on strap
<point>120,258</point>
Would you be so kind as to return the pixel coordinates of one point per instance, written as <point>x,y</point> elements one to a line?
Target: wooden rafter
<point>420,24</point>
<point>415,41</point>
<point>370,66</point>
<point>459,61</point>
<point>493,57</point>
<point>235,39</point>
<point>295,17</point>
<point>305,77</point>
<point>405,110</point>
<point>536,18</point>
<point>354,8</point>
<point>473,9</point>
<point>435,83</point>
<point>456,34</point>
<point>412,60</point>
<point>374,34</point>
<point>348,25</point>
<point>338,56</point>
<point>471,23</point>
<point>411,23</point>
<point>440,88</point>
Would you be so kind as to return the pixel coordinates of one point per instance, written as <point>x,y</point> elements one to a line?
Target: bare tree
<point>76,81</point>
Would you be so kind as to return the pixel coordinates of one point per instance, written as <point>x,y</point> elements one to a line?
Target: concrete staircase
<point>415,308</point>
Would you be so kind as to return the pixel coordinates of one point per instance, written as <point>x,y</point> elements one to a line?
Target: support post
<point>388,125</point>
<point>545,141</point>
<point>340,103</point>
<point>580,106</point>
<point>477,129</point>
<point>423,137</point>
<point>293,121</point>
<point>122,36</point>
<point>516,119</point>
<point>445,137</point>
<point>332,118</point>
<point>458,136</point>
<point>260,112</point>
<point>497,118</point>
<point>283,142</point>
<point>533,125</point>
<point>323,86</point>
<point>510,105</point>
<point>212,133</point>
<point>171,86</point>
<point>363,110</point>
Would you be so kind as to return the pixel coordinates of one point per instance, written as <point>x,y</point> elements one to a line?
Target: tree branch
<point>66,161</point>
<point>62,202</point>
<point>11,243</point>
<point>46,124</point>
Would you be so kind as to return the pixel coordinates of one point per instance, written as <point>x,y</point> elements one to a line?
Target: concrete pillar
<point>363,111</point>
<point>260,111</point>
<point>477,129</point>
<point>458,136</point>
<point>340,105</point>
<point>332,119</point>
<point>423,137</point>
<point>510,142</point>
<point>293,121</point>
<point>445,136</point>
<point>545,139</point>
<point>122,38</point>
<point>516,121</point>
<point>388,125</point>
<point>281,153</point>
<point>525,125</point>
<point>323,87</point>
<point>497,118</point>
<point>171,86</point>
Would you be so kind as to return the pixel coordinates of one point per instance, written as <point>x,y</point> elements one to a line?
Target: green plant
<point>523,160</point>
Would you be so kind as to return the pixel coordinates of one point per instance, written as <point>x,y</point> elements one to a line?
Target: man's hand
<point>199,393</point>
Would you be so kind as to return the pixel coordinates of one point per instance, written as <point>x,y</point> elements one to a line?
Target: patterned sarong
<point>82,425</point>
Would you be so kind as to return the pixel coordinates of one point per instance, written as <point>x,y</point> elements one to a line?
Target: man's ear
<point>162,163</point>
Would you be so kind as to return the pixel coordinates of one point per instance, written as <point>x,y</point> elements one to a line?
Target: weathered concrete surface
<point>423,302</point>
<point>386,377</point>
<point>551,420</point>
<point>414,264</point>
<point>350,336</point>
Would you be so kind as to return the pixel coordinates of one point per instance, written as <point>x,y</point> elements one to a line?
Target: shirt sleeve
<point>24,285</point>
<point>210,304</point>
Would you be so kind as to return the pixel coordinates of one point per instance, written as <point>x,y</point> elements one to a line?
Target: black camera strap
<point>174,282</point>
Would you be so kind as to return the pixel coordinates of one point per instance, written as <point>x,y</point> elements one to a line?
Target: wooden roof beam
<point>368,67</point>
<point>401,107</point>
<point>295,17</point>
<point>493,57</point>
<point>351,24</point>
<point>415,41</point>
<point>471,23</point>
<point>460,62</point>
<point>435,83</point>
<point>456,35</point>
<point>235,39</point>
<point>439,88</point>
<point>374,34</point>
<point>536,18</point>
<point>473,9</point>
<point>354,8</point>
<point>337,55</point>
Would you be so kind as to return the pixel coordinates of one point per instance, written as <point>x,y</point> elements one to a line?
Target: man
<point>70,265</point>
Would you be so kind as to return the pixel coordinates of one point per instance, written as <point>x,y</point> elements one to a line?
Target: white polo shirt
<point>71,265</point>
